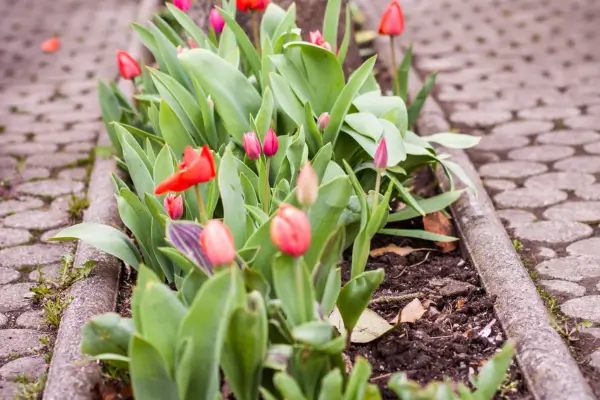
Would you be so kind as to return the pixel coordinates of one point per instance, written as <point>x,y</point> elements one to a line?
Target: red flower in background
<point>252,5</point>
<point>128,67</point>
<point>392,20</point>
<point>50,45</point>
<point>195,168</point>
<point>290,230</point>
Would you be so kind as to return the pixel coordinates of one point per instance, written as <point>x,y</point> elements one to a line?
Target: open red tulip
<point>195,168</point>
<point>252,5</point>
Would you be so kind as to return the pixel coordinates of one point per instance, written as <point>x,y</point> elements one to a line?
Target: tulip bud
<point>174,206</point>
<point>183,5</point>
<point>307,187</point>
<point>50,45</point>
<point>251,145</point>
<point>217,242</point>
<point>193,44</point>
<point>381,155</point>
<point>270,143</point>
<point>128,67</point>
<point>216,20</point>
<point>290,230</point>
<point>323,121</point>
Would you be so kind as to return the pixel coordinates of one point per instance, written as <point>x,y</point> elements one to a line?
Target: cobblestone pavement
<point>49,121</point>
<point>526,76</point>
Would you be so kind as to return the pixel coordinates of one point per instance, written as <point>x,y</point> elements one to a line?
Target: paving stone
<point>499,184</point>
<point>13,237</point>
<point>8,275</point>
<point>595,359</point>
<point>499,142</point>
<point>7,162</point>
<point>51,233</point>
<point>42,254</point>
<point>26,149</point>
<point>522,128</point>
<point>66,137</point>
<point>553,232</point>
<point>516,217</point>
<point>13,206</point>
<point>557,287</point>
<point>586,308</point>
<point>36,219</point>
<point>560,180</point>
<point>9,390</point>
<point>583,122</point>
<point>50,187</point>
<point>592,148</point>
<point>529,198</point>
<point>541,153</point>
<point>7,138</point>
<point>80,147</point>
<point>570,268</point>
<point>587,247</point>
<point>480,118</point>
<point>55,160</point>
<point>33,368</point>
<point>569,137</point>
<point>32,319</point>
<point>512,169</point>
<point>591,330</point>
<point>470,96</point>
<point>49,271</point>
<point>544,253</point>
<point>548,113</point>
<point>77,174</point>
<point>483,157</point>
<point>589,164</point>
<point>13,296</point>
<point>589,192</point>
<point>34,173</point>
<point>3,322</point>
<point>582,211</point>
<point>19,342</point>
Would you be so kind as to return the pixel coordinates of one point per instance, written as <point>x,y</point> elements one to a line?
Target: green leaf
<point>263,119</point>
<point>355,296</point>
<point>168,31</point>
<point>314,333</point>
<point>453,140</point>
<point>294,288</point>
<point>107,334</point>
<point>343,49</point>
<point>138,169</point>
<point>404,193</point>
<point>419,234</point>
<point>403,74</point>
<point>232,197</point>
<point>173,130</point>
<point>271,19</point>
<point>288,387</point>
<point>331,21</point>
<point>105,238</point>
<point>192,284</point>
<point>428,206</point>
<point>168,54</point>
<point>460,173</point>
<point>286,99</point>
<point>366,124</point>
<point>314,139</point>
<point>164,166</point>
<point>150,376</point>
<point>109,106</point>
<point>190,26</point>
<point>358,379</point>
<point>415,108</point>
<point>331,389</point>
<point>493,373</point>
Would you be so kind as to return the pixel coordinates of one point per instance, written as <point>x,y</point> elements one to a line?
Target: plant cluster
<point>253,164</point>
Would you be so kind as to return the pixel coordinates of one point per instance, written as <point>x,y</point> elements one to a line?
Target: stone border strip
<point>71,376</point>
<point>546,362</point>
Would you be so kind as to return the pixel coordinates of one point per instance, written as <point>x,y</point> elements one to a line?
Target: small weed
<point>508,386</point>
<point>44,340</point>
<point>21,379</point>
<point>76,206</point>
<point>517,245</point>
<point>31,390</point>
<point>53,309</point>
<point>13,356</point>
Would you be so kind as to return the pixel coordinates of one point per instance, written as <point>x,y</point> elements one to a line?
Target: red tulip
<point>251,145</point>
<point>50,45</point>
<point>307,187</point>
<point>316,37</point>
<point>290,230</point>
<point>128,67</point>
<point>217,242</point>
<point>193,44</point>
<point>195,168</point>
<point>216,20</point>
<point>381,155</point>
<point>252,5</point>
<point>183,5</point>
<point>174,206</point>
<point>392,20</point>
<point>270,143</point>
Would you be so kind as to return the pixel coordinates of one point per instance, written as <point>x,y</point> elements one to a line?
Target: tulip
<point>216,20</point>
<point>174,206</point>
<point>183,5</point>
<point>316,37</point>
<point>392,20</point>
<point>195,168</point>
<point>252,5</point>
<point>323,121</point>
<point>251,145</point>
<point>192,43</point>
<point>217,243</point>
<point>381,155</point>
<point>270,143</point>
<point>307,187</point>
<point>290,230</point>
<point>128,67</point>
<point>50,45</point>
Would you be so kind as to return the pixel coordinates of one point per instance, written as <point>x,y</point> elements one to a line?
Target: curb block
<point>546,362</point>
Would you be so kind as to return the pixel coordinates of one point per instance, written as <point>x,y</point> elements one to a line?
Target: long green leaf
<point>427,206</point>
<point>419,234</point>
<point>331,22</point>
<point>150,376</point>
<point>232,197</point>
<point>415,107</point>
<point>403,73</point>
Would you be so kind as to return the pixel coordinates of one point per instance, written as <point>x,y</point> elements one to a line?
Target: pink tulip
<point>290,230</point>
<point>183,5</point>
<point>217,243</point>
<point>307,187</point>
<point>271,143</point>
<point>216,20</point>
<point>323,121</point>
<point>381,155</point>
<point>251,145</point>
<point>174,205</point>
<point>316,37</point>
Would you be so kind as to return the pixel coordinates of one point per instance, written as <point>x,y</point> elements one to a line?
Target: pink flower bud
<point>174,206</point>
<point>217,242</point>
<point>216,20</point>
<point>251,145</point>
<point>307,187</point>
<point>193,44</point>
<point>323,121</point>
<point>271,143</point>
<point>183,5</point>
<point>290,230</point>
<point>381,155</point>
<point>316,37</point>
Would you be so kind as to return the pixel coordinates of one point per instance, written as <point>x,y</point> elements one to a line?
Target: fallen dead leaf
<point>460,303</point>
<point>50,45</point>
<point>369,327</point>
<point>392,248</point>
<point>467,332</point>
<point>437,222</point>
<point>412,312</point>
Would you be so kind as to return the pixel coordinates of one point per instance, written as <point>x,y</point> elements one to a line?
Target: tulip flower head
<point>270,143</point>
<point>50,45</point>
<point>381,155</point>
<point>183,5</point>
<point>290,230</point>
<point>316,37</point>
<point>323,121</point>
<point>216,20</point>
<point>251,145</point>
<point>392,20</point>
<point>193,44</point>
<point>252,5</point>
<point>307,187</point>
<point>195,168</point>
<point>174,205</point>
<point>217,243</point>
<point>128,67</point>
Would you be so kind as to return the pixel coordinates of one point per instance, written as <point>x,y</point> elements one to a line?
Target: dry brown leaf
<point>412,312</point>
<point>467,332</point>
<point>369,326</point>
<point>392,248</point>
<point>460,303</point>
<point>437,222</point>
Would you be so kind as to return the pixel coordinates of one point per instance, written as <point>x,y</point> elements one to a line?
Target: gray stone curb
<point>548,366</point>
<point>71,375</point>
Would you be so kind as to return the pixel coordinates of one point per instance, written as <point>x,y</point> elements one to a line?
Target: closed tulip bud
<point>193,44</point>
<point>216,20</point>
<point>307,188</point>
<point>290,230</point>
<point>174,206</point>
<point>251,145</point>
<point>381,155</point>
<point>50,45</point>
<point>271,143</point>
<point>323,121</point>
<point>217,243</point>
<point>128,67</point>
<point>183,5</point>
<point>392,20</point>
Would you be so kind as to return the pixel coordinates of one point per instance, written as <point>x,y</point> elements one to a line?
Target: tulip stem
<point>395,66</point>
<point>200,204</point>
<point>267,186</point>
<point>298,270</point>
<point>255,30</point>
<point>376,192</point>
